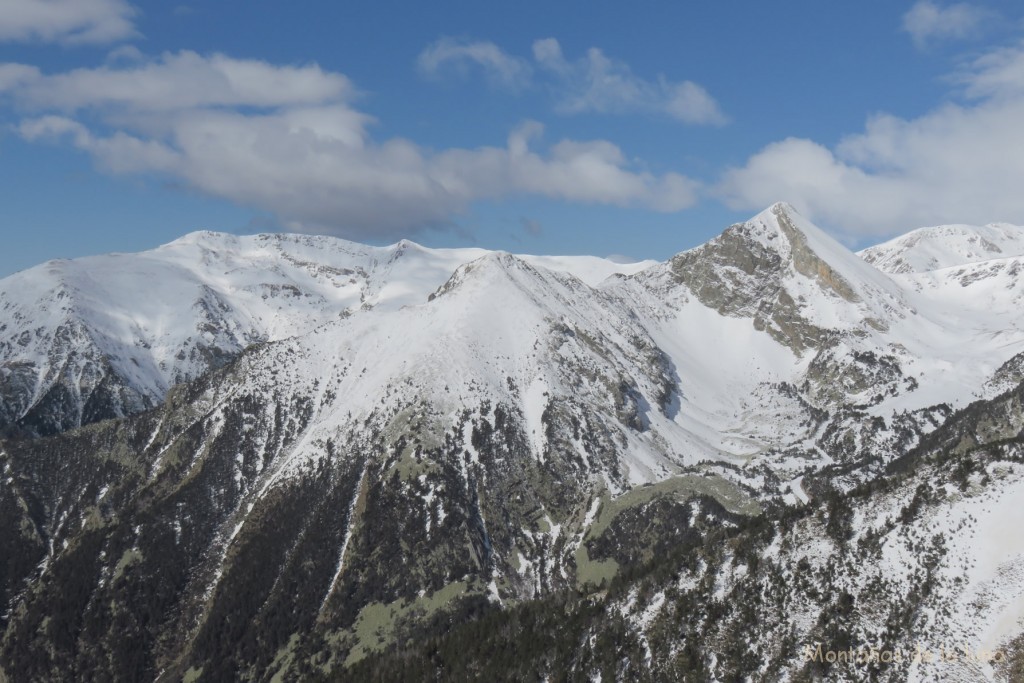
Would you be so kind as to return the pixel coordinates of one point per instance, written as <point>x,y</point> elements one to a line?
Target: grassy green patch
<point>375,625</point>
<point>409,468</point>
<point>419,428</point>
<point>283,659</point>
<point>593,572</point>
<point>684,487</point>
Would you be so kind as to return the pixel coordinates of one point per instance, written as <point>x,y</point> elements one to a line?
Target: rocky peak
<point>789,277</point>
<point>800,235</point>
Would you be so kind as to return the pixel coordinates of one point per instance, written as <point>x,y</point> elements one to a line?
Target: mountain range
<point>284,457</point>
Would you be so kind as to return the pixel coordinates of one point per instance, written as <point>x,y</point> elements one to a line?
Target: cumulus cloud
<point>499,67</point>
<point>596,83</point>
<point>67,21</point>
<point>928,23</point>
<point>287,140</point>
<point>960,162</point>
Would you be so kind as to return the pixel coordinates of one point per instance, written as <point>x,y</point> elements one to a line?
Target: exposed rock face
<point>754,269</point>
<point>741,277</point>
<point>73,384</point>
<point>1009,375</point>
<point>806,261</point>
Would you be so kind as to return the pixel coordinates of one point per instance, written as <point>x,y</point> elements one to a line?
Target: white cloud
<point>66,21</point>
<point>286,140</point>
<point>181,81</point>
<point>958,163</point>
<point>998,73</point>
<point>125,53</point>
<point>15,75</point>
<point>596,83</point>
<point>592,172</point>
<point>118,153</point>
<point>593,83</point>
<point>500,68</point>
<point>927,22</point>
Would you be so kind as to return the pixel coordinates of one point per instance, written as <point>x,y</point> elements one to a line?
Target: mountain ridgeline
<point>297,458</point>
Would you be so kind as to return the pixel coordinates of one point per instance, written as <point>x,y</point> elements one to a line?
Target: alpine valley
<point>285,457</point>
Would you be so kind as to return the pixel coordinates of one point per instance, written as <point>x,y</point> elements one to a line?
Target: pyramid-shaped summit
<point>791,277</point>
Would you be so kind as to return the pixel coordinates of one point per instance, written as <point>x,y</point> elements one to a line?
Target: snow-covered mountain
<point>106,336</point>
<point>945,246</point>
<point>968,276</point>
<point>915,576</point>
<point>371,432</point>
<point>772,348</point>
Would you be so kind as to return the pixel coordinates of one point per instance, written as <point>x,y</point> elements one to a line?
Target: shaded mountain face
<point>438,434</point>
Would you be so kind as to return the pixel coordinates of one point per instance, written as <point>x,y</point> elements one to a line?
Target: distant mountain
<point>945,246</point>
<point>331,450</point>
<point>106,336</point>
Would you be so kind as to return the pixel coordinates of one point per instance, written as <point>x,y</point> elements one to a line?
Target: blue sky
<point>573,127</point>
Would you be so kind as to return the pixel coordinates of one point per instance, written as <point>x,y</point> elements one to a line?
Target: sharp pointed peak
<point>782,207</point>
<point>771,213</point>
<point>784,214</point>
<point>781,243</point>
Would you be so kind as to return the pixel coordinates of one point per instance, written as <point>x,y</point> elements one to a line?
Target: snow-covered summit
<point>945,246</point>
<point>773,300</point>
<point>788,276</point>
<point>116,331</point>
<point>967,276</point>
<point>814,254</point>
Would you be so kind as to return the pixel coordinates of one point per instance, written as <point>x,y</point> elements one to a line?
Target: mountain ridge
<point>945,246</point>
<point>438,444</point>
<point>161,317</point>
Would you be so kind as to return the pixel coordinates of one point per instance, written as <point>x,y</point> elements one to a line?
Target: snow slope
<point>154,319</point>
<point>768,345</point>
<point>968,280</point>
<point>944,246</point>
